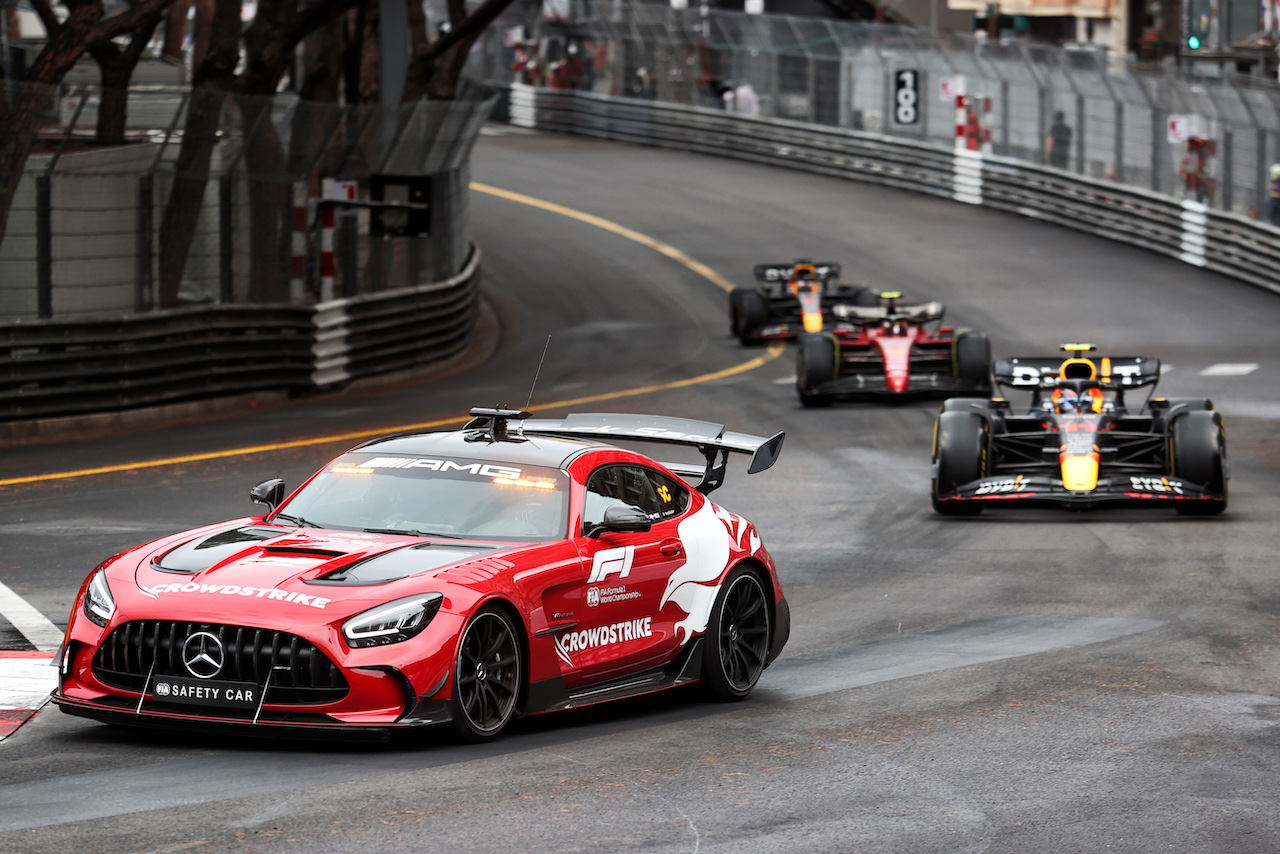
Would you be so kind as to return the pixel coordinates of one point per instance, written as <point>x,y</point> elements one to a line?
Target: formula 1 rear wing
<point>782,272</point>
<point>712,440</point>
<point>1115,371</point>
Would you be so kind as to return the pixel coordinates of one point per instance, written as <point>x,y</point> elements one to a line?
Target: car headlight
<point>394,622</point>
<point>99,604</point>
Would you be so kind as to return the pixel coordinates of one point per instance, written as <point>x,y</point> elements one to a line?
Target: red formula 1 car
<point>791,299</point>
<point>891,348</point>
<point>451,578</point>
<point>1079,442</point>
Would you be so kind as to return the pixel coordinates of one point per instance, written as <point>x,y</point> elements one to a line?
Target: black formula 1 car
<point>789,299</point>
<point>1079,443</point>
<point>891,348</point>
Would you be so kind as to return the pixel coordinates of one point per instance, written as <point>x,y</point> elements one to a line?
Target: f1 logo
<point>611,562</point>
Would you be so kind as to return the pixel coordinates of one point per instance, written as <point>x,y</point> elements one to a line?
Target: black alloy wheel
<point>737,638</point>
<point>487,678</point>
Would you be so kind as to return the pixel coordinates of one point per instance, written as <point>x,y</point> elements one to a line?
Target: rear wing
<point>1114,371</point>
<point>712,440</point>
<point>923,312</point>
<point>782,272</point>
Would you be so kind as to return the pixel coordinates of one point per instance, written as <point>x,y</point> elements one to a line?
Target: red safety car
<point>461,578</point>
<point>1079,441</point>
<point>891,348</point>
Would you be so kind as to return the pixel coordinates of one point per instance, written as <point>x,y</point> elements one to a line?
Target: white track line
<point>35,627</point>
<point>1229,369</point>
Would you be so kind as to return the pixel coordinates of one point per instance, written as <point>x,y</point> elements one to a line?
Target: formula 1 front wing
<point>1040,491</point>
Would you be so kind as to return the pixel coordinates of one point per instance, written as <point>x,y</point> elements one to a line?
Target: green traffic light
<point>1193,42</point>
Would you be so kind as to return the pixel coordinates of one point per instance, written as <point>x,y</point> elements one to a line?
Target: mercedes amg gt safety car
<point>460,578</point>
<point>1079,442</point>
<point>789,299</point>
<point>890,348</point>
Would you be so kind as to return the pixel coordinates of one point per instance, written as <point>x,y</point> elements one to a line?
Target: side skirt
<point>551,695</point>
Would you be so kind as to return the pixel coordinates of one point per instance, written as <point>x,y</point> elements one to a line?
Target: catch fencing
<point>1181,228</point>
<point>1077,108</point>
<point>106,230</point>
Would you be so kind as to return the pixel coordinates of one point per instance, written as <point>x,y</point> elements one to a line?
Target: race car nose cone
<point>1080,474</point>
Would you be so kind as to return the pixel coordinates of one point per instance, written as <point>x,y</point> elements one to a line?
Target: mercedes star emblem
<point>203,655</point>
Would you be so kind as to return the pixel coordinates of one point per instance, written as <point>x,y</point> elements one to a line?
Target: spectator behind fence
<point>1057,147</point>
<point>742,99</point>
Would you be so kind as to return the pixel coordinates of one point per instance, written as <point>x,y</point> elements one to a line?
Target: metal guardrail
<point>1227,243</point>
<point>71,367</point>
<point>394,330</point>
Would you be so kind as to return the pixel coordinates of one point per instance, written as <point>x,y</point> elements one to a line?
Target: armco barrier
<point>1223,242</point>
<point>384,332</point>
<point>71,367</point>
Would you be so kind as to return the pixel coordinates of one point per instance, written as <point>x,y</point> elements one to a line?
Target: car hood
<point>241,572</point>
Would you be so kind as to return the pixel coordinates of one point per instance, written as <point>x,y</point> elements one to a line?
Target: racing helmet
<point>1069,400</point>
<point>1274,171</point>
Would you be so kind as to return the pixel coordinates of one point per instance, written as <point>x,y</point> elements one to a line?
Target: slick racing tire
<point>866,297</point>
<point>488,676</point>
<point>973,359</point>
<point>737,640</point>
<point>1200,458</point>
<point>816,355</point>
<point>748,311</point>
<point>959,457</point>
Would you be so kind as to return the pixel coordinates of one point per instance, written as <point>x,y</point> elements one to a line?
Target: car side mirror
<point>269,492</point>
<point>622,517</point>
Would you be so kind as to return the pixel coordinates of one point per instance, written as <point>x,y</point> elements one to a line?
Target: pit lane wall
<point>1190,231</point>
<point>72,367</point>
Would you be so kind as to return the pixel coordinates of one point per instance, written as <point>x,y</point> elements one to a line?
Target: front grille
<point>300,673</point>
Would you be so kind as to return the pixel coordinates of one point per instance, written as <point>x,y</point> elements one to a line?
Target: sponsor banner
<point>237,590</point>
<point>1156,484</point>
<point>600,636</point>
<point>26,680</point>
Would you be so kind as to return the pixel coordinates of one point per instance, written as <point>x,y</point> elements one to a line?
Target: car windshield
<point>472,499</point>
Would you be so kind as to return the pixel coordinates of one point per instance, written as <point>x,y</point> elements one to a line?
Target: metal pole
<point>226,282</point>
<point>1228,168</point>
<point>1263,176</point>
<point>144,299</point>
<point>1119,144</point>
<point>1004,117</point>
<point>44,248</point>
<point>7,58</point>
<point>1080,147</point>
<point>1157,138</point>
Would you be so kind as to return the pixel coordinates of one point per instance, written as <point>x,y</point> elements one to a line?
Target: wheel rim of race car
<point>488,678</point>
<point>744,633</point>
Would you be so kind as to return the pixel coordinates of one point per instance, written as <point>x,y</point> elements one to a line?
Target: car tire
<point>1200,457</point>
<point>736,646</point>
<point>959,457</point>
<point>816,357</point>
<point>972,361</point>
<point>866,297</point>
<point>488,676</point>
<point>748,312</point>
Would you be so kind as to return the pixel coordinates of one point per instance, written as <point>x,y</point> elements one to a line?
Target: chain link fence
<point>1210,139</point>
<point>94,229</point>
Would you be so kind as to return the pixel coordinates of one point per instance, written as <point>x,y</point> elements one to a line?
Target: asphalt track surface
<point>1021,682</point>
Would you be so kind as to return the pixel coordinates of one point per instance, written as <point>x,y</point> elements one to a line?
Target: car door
<point>620,627</point>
